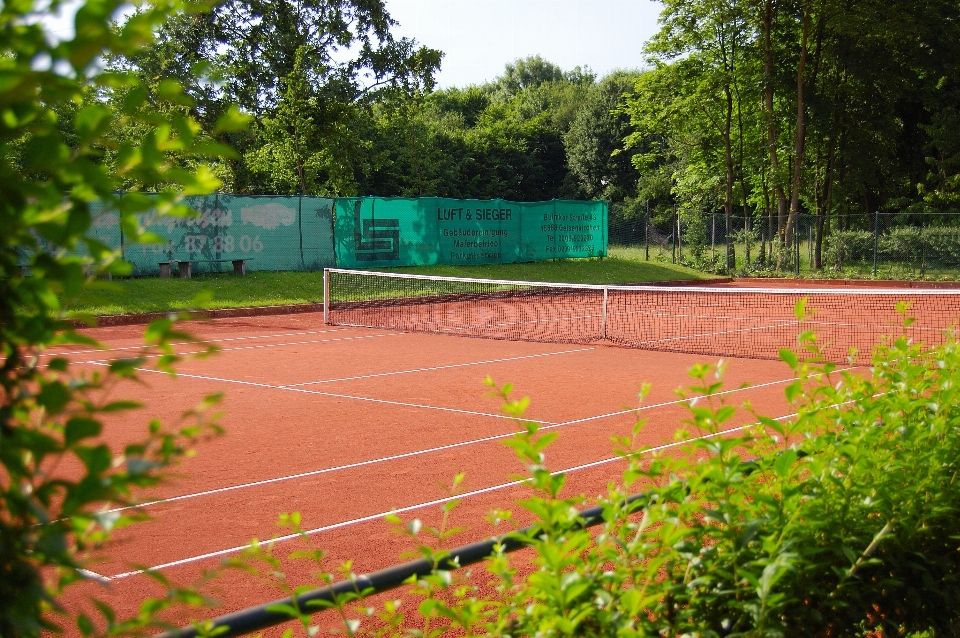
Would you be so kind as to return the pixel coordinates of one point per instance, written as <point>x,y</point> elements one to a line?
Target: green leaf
<point>54,396</point>
<point>785,462</point>
<point>233,121</point>
<point>79,428</point>
<point>91,122</point>
<point>84,625</point>
<point>119,406</point>
<point>789,357</point>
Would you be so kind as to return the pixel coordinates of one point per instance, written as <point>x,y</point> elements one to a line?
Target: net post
<point>326,296</point>
<point>604,311</point>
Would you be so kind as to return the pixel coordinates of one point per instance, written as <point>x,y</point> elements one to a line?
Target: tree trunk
<point>771,122</point>
<point>743,185</point>
<point>800,138</point>
<point>827,200</point>
<point>728,191</point>
<point>301,175</point>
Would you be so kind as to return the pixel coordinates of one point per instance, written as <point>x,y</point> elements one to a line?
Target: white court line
<point>256,347</point>
<point>89,575</point>
<point>380,515</point>
<point>453,365</point>
<point>326,394</point>
<point>439,448</point>
<point>190,343</point>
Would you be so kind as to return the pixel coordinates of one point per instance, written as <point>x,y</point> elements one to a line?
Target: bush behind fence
<point>881,245</point>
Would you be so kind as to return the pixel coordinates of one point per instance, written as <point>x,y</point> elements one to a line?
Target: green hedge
<point>932,246</point>
<point>846,246</point>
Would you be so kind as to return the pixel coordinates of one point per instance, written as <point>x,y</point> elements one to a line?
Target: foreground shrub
<point>52,146</point>
<point>839,520</point>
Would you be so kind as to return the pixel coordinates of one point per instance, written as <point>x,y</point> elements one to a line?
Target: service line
<point>324,394</point>
<point>430,369</point>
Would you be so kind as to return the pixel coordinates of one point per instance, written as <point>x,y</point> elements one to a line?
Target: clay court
<point>348,424</point>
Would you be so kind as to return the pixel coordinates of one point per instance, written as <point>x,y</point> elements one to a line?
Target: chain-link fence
<point>880,245</point>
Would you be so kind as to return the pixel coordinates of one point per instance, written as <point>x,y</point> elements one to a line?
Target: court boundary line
<point>255,347</point>
<point>189,343</point>
<point>440,501</point>
<point>319,393</point>
<point>441,448</point>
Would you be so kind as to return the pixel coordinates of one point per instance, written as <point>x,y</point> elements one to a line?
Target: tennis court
<point>346,424</point>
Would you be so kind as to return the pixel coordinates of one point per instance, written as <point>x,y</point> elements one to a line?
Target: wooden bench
<point>186,266</point>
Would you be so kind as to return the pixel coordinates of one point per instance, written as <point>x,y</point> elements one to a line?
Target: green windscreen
<point>376,232</point>
<point>311,233</point>
<point>271,233</point>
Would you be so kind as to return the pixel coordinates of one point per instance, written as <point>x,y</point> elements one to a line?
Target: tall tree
<point>335,55</point>
<point>712,35</point>
<point>595,138</point>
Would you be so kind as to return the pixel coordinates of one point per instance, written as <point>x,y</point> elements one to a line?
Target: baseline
<point>259,347</point>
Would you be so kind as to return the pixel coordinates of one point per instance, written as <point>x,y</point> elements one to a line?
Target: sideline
<point>409,508</point>
<point>105,321</point>
<point>190,343</point>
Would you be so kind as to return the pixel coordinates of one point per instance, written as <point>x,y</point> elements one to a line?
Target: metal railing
<point>270,614</point>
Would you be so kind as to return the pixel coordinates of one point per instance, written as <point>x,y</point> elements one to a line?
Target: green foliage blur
<point>58,153</point>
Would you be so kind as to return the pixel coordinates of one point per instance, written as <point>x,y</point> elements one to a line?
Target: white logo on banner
<point>268,216</point>
<point>221,217</point>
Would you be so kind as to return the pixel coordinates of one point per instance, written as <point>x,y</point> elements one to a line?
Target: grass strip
<point>153,294</point>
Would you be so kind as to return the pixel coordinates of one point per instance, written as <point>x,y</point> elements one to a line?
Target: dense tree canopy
<point>341,107</point>
<point>771,108</point>
<point>757,110</point>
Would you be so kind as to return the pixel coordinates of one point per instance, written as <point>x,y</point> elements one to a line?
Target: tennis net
<point>734,322</point>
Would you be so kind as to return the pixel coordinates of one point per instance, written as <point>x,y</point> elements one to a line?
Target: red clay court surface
<point>348,424</point>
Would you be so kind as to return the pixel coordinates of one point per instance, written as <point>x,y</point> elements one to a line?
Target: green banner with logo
<point>378,232</point>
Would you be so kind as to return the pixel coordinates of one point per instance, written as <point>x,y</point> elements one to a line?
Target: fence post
<point>673,234</point>
<point>679,245</point>
<point>876,239</point>
<point>713,238</point>
<point>726,248</point>
<point>796,248</point>
<point>646,233</point>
